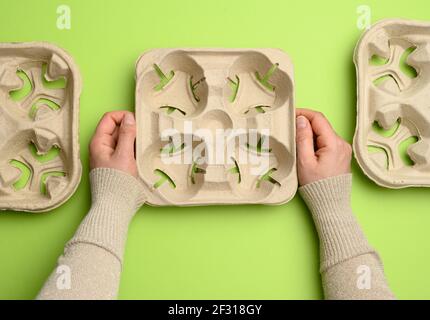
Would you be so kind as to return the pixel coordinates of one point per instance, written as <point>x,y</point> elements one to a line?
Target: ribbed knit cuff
<point>116,196</point>
<point>340,235</point>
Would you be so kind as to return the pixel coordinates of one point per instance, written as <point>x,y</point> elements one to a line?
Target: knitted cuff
<point>116,196</point>
<point>340,235</point>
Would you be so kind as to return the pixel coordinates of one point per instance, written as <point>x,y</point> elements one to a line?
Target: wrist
<point>110,187</point>
<point>335,189</point>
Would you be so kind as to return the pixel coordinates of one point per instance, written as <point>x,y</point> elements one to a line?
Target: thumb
<point>304,140</point>
<point>127,135</point>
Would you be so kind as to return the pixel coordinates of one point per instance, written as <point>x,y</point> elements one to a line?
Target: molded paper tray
<point>392,139</point>
<point>250,90</point>
<point>39,122</point>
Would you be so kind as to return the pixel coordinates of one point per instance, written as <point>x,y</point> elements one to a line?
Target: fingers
<point>325,135</point>
<point>304,140</point>
<point>126,137</point>
<point>109,122</point>
<point>107,131</point>
<point>321,153</point>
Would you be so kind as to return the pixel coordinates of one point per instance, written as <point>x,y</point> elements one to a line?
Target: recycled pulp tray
<point>39,122</point>
<point>393,116</point>
<point>243,95</point>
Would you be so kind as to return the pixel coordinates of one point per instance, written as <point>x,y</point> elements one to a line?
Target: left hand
<point>112,145</point>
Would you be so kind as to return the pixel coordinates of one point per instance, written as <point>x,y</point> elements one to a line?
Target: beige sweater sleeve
<point>350,267</point>
<point>90,266</point>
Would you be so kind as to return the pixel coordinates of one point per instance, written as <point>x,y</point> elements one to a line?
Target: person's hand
<point>112,145</point>
<point>321,153</point>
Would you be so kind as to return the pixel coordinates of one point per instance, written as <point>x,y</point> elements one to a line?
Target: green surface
<point>216,252</point>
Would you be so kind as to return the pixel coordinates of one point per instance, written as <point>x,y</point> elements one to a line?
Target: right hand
<point>321,153</point>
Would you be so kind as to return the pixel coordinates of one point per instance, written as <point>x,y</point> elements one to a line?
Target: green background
<point>242,252</point>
